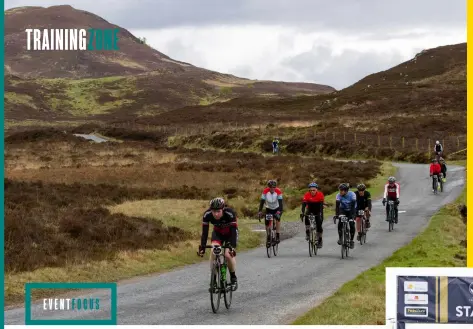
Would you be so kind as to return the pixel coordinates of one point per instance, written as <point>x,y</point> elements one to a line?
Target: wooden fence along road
<point>450,143</point>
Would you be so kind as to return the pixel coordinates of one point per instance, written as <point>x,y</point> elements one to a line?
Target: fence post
<point>403,142</point>
<point>391,142</point>
<point>344,136</point>
<point>417,144</point>
<point>379,141</point>
<point>458,143</point>
<point>355,137</point>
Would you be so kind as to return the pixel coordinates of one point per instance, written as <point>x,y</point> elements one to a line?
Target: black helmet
<point>343,187</point>
<point>361,187</point>
<point>272,183</point>
<point>217,203</point>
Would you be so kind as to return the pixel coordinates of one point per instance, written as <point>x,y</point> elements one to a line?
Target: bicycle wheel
<point>269,242</point>
<point>435,185</point>
<point>315,242</point>
<point>228,292</point>
<point>275,244</point>
<point>343,246</point>
<point>441,185</point>
<point>311,238</point>
<point>362,230</point>
<point>215,288</point>
<point>391,219</point>
<point>365,230</point>
<point>347,241</point>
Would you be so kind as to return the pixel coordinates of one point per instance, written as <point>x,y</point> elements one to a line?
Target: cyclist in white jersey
<point>271,198</point>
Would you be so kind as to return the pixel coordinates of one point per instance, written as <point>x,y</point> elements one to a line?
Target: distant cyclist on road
<point>275,145</point>
<point>392,192</point>
<point>444,168</point>
<point>272,198</point>
<point>435,170</point>
<point>346,205</point>
<point>225,228</point>
<point>314,201</point>
<point>438,149</point>
<point>363,202</point>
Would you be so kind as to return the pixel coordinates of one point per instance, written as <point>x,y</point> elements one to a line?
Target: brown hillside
<point>425,94</point>
<point>135,81</point>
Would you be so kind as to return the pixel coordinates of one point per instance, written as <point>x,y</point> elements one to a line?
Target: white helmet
<point>437,142</point>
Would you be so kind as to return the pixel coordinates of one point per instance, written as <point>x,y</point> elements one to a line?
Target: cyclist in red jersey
<point>391,192</point>
<point>314,201</point>
<point>435,170</point>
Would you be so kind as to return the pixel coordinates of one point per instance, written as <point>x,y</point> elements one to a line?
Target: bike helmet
<point>272,183</point>
<point>437,142</point>
<point>217,203</point>
<point>343,187</point>
<point>442,160</point>
<point>434,160</point>
<point>361,187</point>
<point>392,179</point>
<point>312,185</point>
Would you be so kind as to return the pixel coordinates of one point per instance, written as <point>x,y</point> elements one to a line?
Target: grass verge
<point>441,244</point>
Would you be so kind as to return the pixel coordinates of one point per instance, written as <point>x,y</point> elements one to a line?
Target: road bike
<point>345,246</point>
<point>313,239</point>
<point>391,215</point>
<point>271,242</point>
<point>363,229</point>
<point>438,184</point>
<point>220,283</point>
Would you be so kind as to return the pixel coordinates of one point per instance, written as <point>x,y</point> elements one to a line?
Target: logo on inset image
<point>470,288</point>
<point>418,312</point>
<point>416,299</point>
<point>416,286</point>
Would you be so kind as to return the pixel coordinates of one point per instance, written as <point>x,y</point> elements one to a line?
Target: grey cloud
<point>319,66</point>
<point>345,15</point>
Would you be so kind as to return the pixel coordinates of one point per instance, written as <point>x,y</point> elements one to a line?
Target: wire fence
<point>396,142</point>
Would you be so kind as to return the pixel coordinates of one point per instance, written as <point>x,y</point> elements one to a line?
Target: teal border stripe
<point>2,138</point>
<point>71,285</point>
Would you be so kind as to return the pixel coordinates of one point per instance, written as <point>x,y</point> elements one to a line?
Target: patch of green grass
<point>21,99</point>
<point>80,97</point>
<point>441,244</point>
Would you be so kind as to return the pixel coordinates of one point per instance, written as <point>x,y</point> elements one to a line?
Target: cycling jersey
<point>391,191</point>
<point>363,202</point>
<point>438,148</point>
<point>346,203</point>
<point>273,201</point>
<point>435,169</point>
<point>313,203</point>
<point>225,227</point>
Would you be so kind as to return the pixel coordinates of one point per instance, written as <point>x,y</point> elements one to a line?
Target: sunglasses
<point>313,190</point>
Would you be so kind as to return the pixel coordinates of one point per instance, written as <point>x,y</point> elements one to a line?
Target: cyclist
<point>345,205</point>
<point>314,201</point>
<point>435,170</point>
<point>444,168</point>
<point>275,144</point>
<point>392,192</point>
<point>272,198</point>
<point>225,228</point>
<point>363,202</point>
<point>438,149</point>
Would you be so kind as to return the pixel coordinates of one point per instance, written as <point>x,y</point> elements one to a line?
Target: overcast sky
<point>334,42</point>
